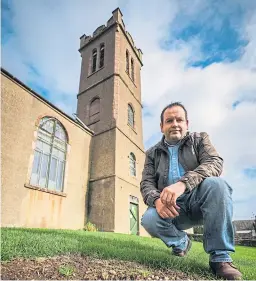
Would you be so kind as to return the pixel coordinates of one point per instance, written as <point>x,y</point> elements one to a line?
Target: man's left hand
<point>170,193</point>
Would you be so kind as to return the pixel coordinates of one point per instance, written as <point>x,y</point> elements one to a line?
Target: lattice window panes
<point>132,162</point>
<point>50,155</point>
<point>94,60</point>
<point>130,116</point>
<point>127,62</point>
<point>102,54</point>
<point>132,69</point>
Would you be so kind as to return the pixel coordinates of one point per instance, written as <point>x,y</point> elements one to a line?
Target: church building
<point>60,171</point>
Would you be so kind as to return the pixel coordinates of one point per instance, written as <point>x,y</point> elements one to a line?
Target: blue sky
<point>219,42</point>
<point>203,55</point>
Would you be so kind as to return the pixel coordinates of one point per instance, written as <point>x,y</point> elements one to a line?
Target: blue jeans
<point>209,204</point>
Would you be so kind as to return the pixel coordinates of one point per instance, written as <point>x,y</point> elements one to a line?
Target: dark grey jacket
<point>197,156</point>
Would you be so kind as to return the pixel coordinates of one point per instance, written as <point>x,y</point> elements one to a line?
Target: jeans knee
<point>217,185</point>
<point>149,218</point>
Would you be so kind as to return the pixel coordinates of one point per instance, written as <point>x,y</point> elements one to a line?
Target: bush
<point>199,229</point>
<point>90,227</point>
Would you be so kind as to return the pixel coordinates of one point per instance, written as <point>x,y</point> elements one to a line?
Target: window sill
<point>45,190</point>
<point>94,122</point>
<point>132,128</point>
<point>99,69</point>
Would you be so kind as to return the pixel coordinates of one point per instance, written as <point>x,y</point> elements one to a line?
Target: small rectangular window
<point>132,69</point>
<point>94,60</point>
<point>94,111</point>
<point>102,51</point>
<point>132,165</point>
<point>127,62</point>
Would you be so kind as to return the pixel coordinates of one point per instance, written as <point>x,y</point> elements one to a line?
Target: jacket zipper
<point>180,162</point>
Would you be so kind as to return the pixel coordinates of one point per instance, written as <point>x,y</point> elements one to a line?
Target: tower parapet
<point>116,19</point>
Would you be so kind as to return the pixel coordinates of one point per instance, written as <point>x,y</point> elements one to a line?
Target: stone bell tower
<point>109,103</point>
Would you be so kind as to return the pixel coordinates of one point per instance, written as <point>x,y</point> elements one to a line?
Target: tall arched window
<point>94,111</point>
<point>132,69</point>
<point>102,51</point>
<point>50,155</point>
<point>132,164</point>
<point>127,62</point>
<point>94,60</point>
<point>130,116</point>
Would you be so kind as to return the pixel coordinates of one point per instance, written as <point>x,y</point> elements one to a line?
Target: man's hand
<point>164,211</point>
<point>170,194</point>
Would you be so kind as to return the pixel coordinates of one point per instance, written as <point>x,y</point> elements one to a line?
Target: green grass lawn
<point>30,243</point>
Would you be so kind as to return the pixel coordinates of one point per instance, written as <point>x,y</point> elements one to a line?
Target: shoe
<point>225,270</point>
<point>181,253</point>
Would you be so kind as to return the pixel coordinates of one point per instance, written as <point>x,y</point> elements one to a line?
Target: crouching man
<point>181,185</point>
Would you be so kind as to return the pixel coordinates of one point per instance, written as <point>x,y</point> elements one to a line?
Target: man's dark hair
<point>172,105</point>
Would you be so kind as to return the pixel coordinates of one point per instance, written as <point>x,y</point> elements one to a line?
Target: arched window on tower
<point>102,52</point>
<point>94,111</point>
<point>94,60</point>
<point>132,69</point>
<point>127,62</point>
<point>132,164</point>
<point>130,116</point>
<point>50,155</point>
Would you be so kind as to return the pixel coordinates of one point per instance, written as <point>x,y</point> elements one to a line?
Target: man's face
<point>174,125</point>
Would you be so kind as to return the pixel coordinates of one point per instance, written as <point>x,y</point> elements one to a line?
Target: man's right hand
<point>164,211</point>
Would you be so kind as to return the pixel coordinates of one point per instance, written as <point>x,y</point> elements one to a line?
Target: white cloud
<point>47,36</point>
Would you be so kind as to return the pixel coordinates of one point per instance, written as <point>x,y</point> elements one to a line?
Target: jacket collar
<point>162,145</point>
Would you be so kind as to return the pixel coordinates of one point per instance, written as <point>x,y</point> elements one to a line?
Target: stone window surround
<point>135,164</point>
<point>92,113</point>
<point>132,128</point>
<point>94,57</point>
<point>88,110</point>
<point>133,199</point>
<point>90,72</point>
<point>27,184</point>
<point>130,107</point>
<point>127,62</point>
<point>102,49</point>
<point>131,68</point>
<point>45,190</point>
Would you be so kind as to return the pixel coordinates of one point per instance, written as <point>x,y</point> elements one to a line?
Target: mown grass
<point>30,243</point>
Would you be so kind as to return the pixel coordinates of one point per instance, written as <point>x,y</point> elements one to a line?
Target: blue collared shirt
<point>176,171</point>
